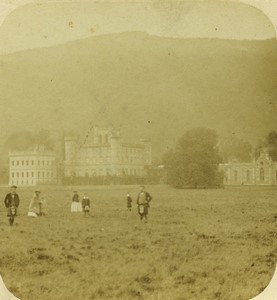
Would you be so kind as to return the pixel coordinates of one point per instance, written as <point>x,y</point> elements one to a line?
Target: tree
<point>232,147</point>
<point>194,161</point>
<point>269,144</point>
<point>25,140</point>
<point>22,140</point>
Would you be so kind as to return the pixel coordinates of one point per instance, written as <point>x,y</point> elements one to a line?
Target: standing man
<point>11,203</point>
<point>143,200</point>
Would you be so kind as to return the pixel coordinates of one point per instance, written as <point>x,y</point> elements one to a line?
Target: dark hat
<point>37,191</point>
<point>14,186</point>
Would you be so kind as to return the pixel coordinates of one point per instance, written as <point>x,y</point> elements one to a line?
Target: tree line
<point>194,161</point>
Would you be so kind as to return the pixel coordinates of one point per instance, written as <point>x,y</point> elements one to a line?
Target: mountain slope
<point>153,87</point>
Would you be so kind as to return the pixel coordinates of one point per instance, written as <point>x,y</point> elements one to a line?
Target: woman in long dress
<point>34,206</point>
<point>76,205</point>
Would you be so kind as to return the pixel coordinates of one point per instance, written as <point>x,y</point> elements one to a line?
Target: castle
<point>262,171</point>
<point>106,154</point>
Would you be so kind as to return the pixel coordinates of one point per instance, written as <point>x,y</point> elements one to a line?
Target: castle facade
<point>104,154</point>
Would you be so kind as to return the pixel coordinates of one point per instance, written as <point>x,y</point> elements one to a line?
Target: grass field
<point>198,244</point>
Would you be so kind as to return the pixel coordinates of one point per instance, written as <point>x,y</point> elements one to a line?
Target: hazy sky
<point>49,23</point>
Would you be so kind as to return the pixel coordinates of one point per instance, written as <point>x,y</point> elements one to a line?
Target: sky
<point>51,22</point>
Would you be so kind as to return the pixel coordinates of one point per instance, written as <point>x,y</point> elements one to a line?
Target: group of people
<point>37,206</point>
<point>77,206</point>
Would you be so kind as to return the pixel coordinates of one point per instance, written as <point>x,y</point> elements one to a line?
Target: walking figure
<point>129,202</point>
<point>11,203</point>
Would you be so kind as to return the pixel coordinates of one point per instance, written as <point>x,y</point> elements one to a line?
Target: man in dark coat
<point>143,199</point>
<point>12,200</point>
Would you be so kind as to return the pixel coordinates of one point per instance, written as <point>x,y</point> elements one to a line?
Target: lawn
<point>198,244</point>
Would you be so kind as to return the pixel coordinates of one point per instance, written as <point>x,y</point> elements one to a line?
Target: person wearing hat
<point>143,200</point>
<point>35,204</point>
<point>12,201</point>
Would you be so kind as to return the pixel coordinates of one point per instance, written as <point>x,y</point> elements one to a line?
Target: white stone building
<point>106,154</point>
<point>32,167</point>
<point>262,171</point>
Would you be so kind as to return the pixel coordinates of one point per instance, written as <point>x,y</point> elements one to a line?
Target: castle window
<point>261,174</point>
<point>27,162</point>
<point>22,162</point>
<point>17,174</point>
<point>32,162</point>
<point>13,163</point>
<point>22,174</point>
<point>12,174</point>
<point>17,162</point>
<point>32,174</point>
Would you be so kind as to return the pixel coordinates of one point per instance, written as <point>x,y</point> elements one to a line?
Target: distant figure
<point>35,205</point>
<point>86,205</point>
<point>11,203</point>
<point>76,206</point>
<point>129,202</point>
<point>143,200</point>
<point>42,207</point>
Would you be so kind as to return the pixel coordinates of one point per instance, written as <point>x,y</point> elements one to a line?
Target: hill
<point>153,87</point>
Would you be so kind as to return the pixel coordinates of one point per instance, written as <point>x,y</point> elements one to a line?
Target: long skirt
<point>76,207</point>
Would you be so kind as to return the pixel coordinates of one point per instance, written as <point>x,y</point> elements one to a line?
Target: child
<point>86,205</point>
<point>42,207</point>
<point>129,202</point>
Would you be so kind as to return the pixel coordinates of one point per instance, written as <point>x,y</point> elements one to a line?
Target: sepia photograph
<point>138,150</point>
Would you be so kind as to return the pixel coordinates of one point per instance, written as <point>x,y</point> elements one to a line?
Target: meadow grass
<point>197,244</point>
